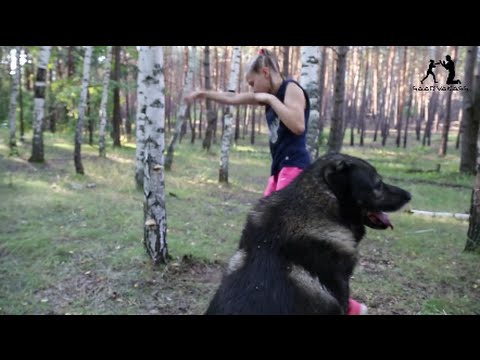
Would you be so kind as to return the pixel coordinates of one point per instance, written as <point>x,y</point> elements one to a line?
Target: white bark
<point>459,216</point>
<point>228,117</point>
<point>183,109</point>
<point>154,183</point>
<point>39,103</point>
<point>103,104</point>
<point>140,119</point>
<point>13,102</point>
<point>81,109</point>
<point>309,80</point>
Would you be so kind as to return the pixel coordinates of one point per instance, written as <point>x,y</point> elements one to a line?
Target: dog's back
<point>298,248</point>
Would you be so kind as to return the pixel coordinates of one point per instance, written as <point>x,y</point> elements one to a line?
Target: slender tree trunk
<point>227,132</point>
<point>103,104</point>
<point>90,119</point>
<point>309,81</point>
<point>252,132</point>
<point>77,157</point>
<point>70,62</point>
<point>469,128</point>
<point>117,118</point>
<point>389,95</point>
<point>13,105</point>
<point>128,123</point>
<point>155,228</point>
<point>401,100</point>
<point>211,115</point>
<point>183,109</point>
<point>407,121</point>
<point>446,126</point>
<point>40,85</point>
<point>321,91</point>
<point>335,139</point>
<point>140,117</point>
<point>286,57</point>
<point>20,104</point>
<point>363,110</point>
<point>460,129</point>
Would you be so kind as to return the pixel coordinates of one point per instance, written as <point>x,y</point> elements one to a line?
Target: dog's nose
<point>408,196</point>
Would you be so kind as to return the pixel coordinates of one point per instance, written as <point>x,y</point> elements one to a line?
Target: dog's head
<point>361,190</point>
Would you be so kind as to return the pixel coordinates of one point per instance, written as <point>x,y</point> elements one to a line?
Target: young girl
<point>287,109</point>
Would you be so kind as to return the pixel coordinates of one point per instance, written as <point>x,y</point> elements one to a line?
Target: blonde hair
<point>264,58</point>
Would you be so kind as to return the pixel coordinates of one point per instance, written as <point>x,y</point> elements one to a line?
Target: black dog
<point>298,249</point>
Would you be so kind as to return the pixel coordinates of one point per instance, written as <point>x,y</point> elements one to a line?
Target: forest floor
<point>72,244</point>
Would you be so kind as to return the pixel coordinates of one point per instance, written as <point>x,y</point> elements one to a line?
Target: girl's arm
<point>291,111</point>
<point>224,97</point>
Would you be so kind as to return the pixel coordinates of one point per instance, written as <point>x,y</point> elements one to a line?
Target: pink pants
<point>279,181</point>
<point>282,179</point>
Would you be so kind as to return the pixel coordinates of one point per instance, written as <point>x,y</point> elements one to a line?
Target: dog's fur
<point>298,249</point>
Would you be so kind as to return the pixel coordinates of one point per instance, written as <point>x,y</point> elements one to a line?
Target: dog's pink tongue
<point>380,217</point>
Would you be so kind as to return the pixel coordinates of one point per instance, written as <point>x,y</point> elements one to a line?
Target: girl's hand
<point>263,98</point>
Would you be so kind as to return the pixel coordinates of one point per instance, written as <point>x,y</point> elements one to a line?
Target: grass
<point>73,244</point>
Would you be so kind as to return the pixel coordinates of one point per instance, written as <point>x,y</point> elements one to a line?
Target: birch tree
<point>309,80</point>
<point>184,109</point>
<point>155,226</point>
<point>228,116</point>
<point>140,119</point>
<point>336,126</point>
<point>39,104</point>
<point>13,103</point>
<point>103,104</point>
<point>211,114</point>
<point>77,156</point>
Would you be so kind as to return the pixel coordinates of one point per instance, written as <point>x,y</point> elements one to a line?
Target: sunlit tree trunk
<point>336,132</point>
<point>363,108</point>
<point>211,115</point>
<point>309,81</point>
<point>140,118</point>
<point>155,227</point>
<point>117,118</point>
<point>39,110</point>
<point>446,126</point>
<point>183,108</point>
<point>20,104</point>
<point>228,116</point>
<point>103,104</point>
<point>13,104</point>
<point>321,91</point>
<point>401,100</point>
<point>468,140</point>
<point>81,111</point>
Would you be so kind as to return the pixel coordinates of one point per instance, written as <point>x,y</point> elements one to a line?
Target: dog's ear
<point>332,171</point>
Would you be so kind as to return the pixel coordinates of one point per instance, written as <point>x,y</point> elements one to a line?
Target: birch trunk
<point>228,117</point>
<point>40,85</point>
<point>155,227</point>
<point>103,104</point>
<point>309,80</point>
<point>140,119</point>
<point>77,157</point>
<point>13,104</point>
